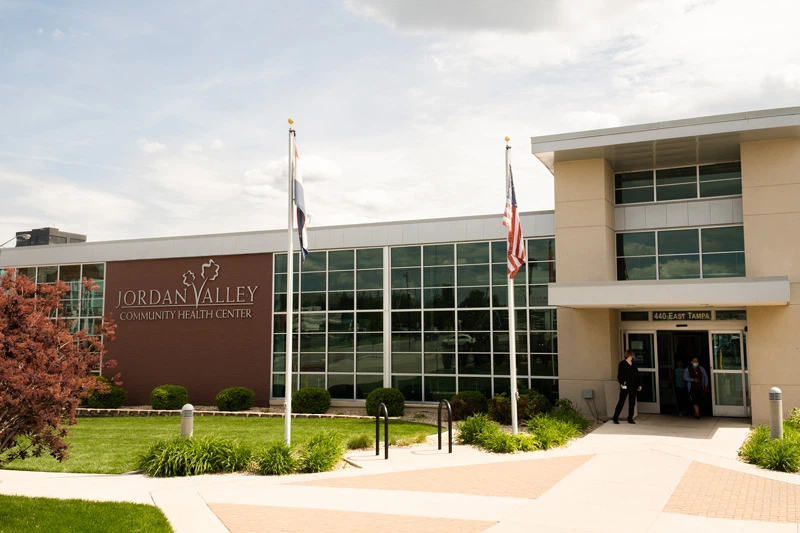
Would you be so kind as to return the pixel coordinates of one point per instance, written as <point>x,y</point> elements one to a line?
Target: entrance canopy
<point>728,292</point>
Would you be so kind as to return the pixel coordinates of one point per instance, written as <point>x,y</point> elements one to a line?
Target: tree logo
<point>208,272</point>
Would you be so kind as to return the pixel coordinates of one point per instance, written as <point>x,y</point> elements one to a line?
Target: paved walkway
<point>664,474</point>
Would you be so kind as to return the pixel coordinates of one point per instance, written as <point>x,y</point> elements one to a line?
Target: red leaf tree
<point>46,367</point>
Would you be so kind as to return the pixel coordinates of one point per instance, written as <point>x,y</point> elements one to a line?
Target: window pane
<point>542,272</point>
<point>541,250</point>
<point>314,301</point>
<point>367,384</point>
<point>723,265</point>
<point>371,258</point>
<point>338,281</point>
<point>474,320</point>
<point>732,315</point>
<point>405,257</point>
<point>544,320</point>
<point>436,255</point>
<point>547,387</point>
<point>437,388</point>
<point>48,274</point>
<point>473,275</point>
<point>472,253</point>
<point>312,342</point>
<point>474,363</point>
<point>538,295</point>
<point>439,277</point>
<point>407,342</point>
<point>340,300</point>
<point>70,273</point>
<point>369,299</point>
<point>721,171</point>
<point>278,385</point>
<point>279,362</point>
<point>341,362</point>
<point>720,188</point>
<point>369,342</point>
<point>473,297</point>
<point>635,316</point>
<point>312,380</point>
<point>409,299</point>
<point>544,341</point>
<point>280,263</point>
<point>406,363</point>
<point>728,389</point>
<point>405,278</point>
<point>629,244</point>
<point>369,279</point>
<point>341,387</point>
<point>636,268</point>
<point>312,362</point>
<point>676,192</point>
<point>482,385</point>
<point>410,386</point>
<point>440,320</point>
<point>478,342</point>
<point>729,239</point>
<point>313,282</point>
<point>312,322</point>
<point>370,321</point>
<point>315,262</point>
<point>340,322</point>
<point>440,363</point>
<point>500,274</point>
<point>341,260</point>
<point>679,267</point>
<point>499,251</point>
<point>633,196</point>
<point>94,271</point>
<point>544,365</point>
<point>626,180</point>
<point>409,321</point>
<point>339,342</point>
<point>439,298</point>
<point>672,176</point>
<point>678,242</point>
<point>440,342</point>
<point>369,362</point>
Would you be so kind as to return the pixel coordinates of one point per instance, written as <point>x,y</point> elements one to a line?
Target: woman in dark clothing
<point>697,380</point>
<point>629,385</point>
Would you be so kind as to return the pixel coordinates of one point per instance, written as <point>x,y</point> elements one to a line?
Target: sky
<point>123,119</point>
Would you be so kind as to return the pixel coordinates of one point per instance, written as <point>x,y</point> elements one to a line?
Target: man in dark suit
<point>629,385</point>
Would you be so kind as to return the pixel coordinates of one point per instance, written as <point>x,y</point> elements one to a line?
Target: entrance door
<point>643,345</point>
<point>728,374</point>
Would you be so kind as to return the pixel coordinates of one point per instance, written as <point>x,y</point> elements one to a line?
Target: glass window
<point>313,282</point>
<point>473,253</point>
<point>438,255</point>
<point>439,298</point>
<point>341,386</point>
<point>407,342</point>
<point>369,362</point>
<point>406,257</point>
<point>440,320</point>
<point>480,384</point>
<point>679,267</point>
<point>711,189</point>
<point>369,279</point>
<point>728,239</point>
<point>70,273</point>
<point>541,250</point>
<point>627,316</point>
<point>473,275</point>
<point>674,176</point>
<point>439,277</point>
<point>369,258</point>
<point>406,299</point>
<point>410,386</point>
<point>367,384</point>
<point>340,321</point>
<point>340,342</point>
<point>633,196</point>
<point>341,362</point>
<point>341,300</point>
<point>314,301</point>
<point>473,297</point>
<point>370,321</point>
<point>636,268</point>
<point>94,271</point>
<point>315,262</point>
<point>499,252</point>
<point>406,278</point>
<point>632,244</point>
<point>369,299</point>
<point>338,281</point>
<point>678,242</point>
<point>439,388</point>
<point>729,265</point>
<point>629,180</point>
<point>543,272</point>
<point>339,260</point>
<point>406,363</point>
<point>47,274</point>
<point>407,321</point>
<point>739,314</point>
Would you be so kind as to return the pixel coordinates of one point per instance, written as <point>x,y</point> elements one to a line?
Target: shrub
<point>550,431</point>
<point>311,400</point>
<point>359,442</point>
<point>393,398</point>
<point>113,398</point>
<point>468,403</point>
<point>275,459</point>
<point>794,417</point>
<point>526,443</point>
<point>183,456</point>
<point>498,441</point>
<point>169,397</point>
<point>235,399</point>
<point>322,452</point>
<point>470,430</point>
<point>530,404</point>
<point>752,451</point>
<point>571,416</point>
<point>782,455</point>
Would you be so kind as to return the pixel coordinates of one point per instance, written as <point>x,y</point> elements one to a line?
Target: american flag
<point>300,204</point>
<point>516,248</point>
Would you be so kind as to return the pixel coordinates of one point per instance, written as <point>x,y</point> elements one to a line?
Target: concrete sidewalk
<point>662,474</point>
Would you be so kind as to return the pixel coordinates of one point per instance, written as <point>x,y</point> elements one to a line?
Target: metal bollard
<point>775,413</point>
<point>187,420</point>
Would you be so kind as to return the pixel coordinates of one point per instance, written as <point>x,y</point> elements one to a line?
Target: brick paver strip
<point>716,492</point>
<point>257,518</point>
<point>515,479</point>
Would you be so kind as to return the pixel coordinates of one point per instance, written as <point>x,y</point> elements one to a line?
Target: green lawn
<point>111,445</point>
<point>18,514</point>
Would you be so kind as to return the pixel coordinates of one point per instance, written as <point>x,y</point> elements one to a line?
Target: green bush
<point>393,398</point>
<point>275,459</point>
<point>498,442</point>
<point>551,431</point>
<point>359,442</point>
<point>468,403</point>
<point>471,429</point>
<point>322,452</point>
<point>113,398</point>
<point>183,456</point>
<point>571,416</point>
<point>753,449</point>
<point>169,397</point>
<point>526,443</point>
<point>311,400</point>
<point>783,454</point>
<point>235,399</point>
<point>794,417</point>
<point>530,404</point>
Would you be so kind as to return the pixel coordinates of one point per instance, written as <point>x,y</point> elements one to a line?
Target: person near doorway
<point>681,390</point>
<point>629,385</point>
<point>696,378</point>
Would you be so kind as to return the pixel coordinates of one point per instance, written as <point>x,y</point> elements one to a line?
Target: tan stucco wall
<point>771,208</point>
<point>588,339</point>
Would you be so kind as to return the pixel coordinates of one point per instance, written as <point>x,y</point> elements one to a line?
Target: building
<point>44,236</point>
<point>676,240</point>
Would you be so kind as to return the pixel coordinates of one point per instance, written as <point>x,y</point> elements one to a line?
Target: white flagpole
<point>287,404</point>
<point>512,333</point>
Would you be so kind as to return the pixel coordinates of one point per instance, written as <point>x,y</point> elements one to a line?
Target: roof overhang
<point>692,141</point>
<point>728,292</point>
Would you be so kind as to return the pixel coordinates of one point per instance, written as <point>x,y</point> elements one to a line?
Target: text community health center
<point>675,240</point>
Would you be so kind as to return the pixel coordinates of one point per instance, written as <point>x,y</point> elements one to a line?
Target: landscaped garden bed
<point>782,455</point>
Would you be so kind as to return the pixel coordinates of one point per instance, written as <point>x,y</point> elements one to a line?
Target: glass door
<point>728,374</point>
<point>643,345</point>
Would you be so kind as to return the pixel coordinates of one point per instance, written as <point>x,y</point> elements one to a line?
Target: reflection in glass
<point>436,255</point>
<point>440,363</point>
<point>369,299</point>
<point>730,265</point>
<point>474,363</point>
<point>341,386</point>
<point>338,281</point>
<point>727,351</point>
<point>482,385</point>
<point>406,299</point>
<point>341,300</point>
<point>341,362</point>
<point>629,244</point>
<point>439,388</point>
<point>728,389</point>
<point>369,279</point>
<point>678,242</point>
<point>472,253</point>
<point>367,384</point>
<point>727,239</point>
<point>339,260</point>
<point>410,386</point>
<point>406,363</point>
<point>473,297</point>
<point>407,342</point>
<point>369,362</point>
<point>407,321</point>
<point>369,258</point>
<point>405,278</point>
<point>315,262</point>
<point>679,267</point>
<point>405,256</point>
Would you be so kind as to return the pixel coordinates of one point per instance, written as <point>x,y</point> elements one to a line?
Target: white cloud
<point>151,146</point>
<point>217,144</point>
<point>192,148</point>
<point>57,34</point>
<point>40,31</point>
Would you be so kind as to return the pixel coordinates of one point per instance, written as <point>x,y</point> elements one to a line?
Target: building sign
<point>196,297</point>
<point>682,315</point>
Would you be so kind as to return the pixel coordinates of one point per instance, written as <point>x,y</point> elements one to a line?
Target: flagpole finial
<point>508,139</point>
<point>291,121</point>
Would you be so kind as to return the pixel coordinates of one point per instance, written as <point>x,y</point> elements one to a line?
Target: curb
<point>86,412</point>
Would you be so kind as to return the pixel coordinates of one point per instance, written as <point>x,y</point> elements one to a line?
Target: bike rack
<point>382,409</point>
<point>449,426</point>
